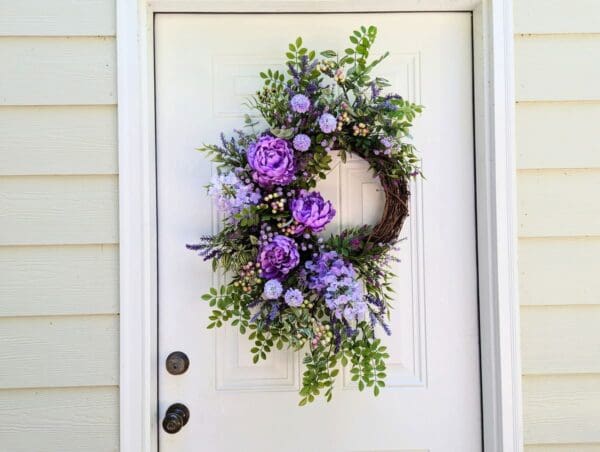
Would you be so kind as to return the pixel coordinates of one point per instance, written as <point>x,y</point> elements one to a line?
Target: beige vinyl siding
<point>561,409</point>
<point>557,44</point>
<point>58,140</point>
<point>57,18</point>
<point>556,16</point>
<point>558,134</point>
<point>58,227</point>
<point>575,447</point>
<point>547,275</point>
<point>61,280</point>
<point>58,210</point>
<point>60,419</point>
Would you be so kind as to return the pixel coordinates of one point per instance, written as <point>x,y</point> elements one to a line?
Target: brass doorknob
<point>176,417</point>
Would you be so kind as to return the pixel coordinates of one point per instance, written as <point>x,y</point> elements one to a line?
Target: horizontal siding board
<point>57,71</point>
<point>59,351</point>
<point>59,280</point>
<point>58,210</point>
<point>57,17</point>
<point>558,134</point>
<point>58,140</point>
<point>556,16</point>
<point>579,447</point>
<point>60,420</point>
<point>560,339</point>
<point>557,67</point>
<point>559,203</point>
<point>559,271</point>
<point>561,409</point>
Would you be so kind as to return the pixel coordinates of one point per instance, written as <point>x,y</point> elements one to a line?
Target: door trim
<point>495,187</point>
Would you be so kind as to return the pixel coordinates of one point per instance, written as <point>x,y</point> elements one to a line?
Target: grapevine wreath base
<point>289,285</point>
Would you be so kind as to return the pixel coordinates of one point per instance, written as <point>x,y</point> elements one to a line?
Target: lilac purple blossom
<point>272,161</point>
<point>231,194</point>
<point>337,281</point>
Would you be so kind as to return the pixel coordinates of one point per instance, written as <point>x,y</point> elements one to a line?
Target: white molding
<point>496,204</point>
<point>303,6</point>
<point>137,230</point>
<point>497,231</point>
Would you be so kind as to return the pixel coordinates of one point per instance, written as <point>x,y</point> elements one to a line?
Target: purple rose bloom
<point>327,123</point>
<point>272,160</point>
<point>301,142</point>
<point>300,103</point>
<point>310,210</point>
<point>278,257</point>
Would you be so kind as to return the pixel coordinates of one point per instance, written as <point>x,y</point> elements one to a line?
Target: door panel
<point>206,65</point>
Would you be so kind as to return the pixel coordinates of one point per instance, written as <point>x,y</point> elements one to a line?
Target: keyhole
<point>177,363</point>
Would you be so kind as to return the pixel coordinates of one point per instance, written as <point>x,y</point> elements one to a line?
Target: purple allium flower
<point>272,289</point>
<point>300,103</point>
<point>278,257</point>
<point>272,161</point>
<point>301,142</point>
<point>310,210</point>
<point>294,298</point>
<point>327,122</point>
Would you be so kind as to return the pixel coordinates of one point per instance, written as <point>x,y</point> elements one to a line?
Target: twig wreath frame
<point>289,286</point>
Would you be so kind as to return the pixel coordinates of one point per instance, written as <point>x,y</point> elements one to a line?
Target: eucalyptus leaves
<point>290,285</point>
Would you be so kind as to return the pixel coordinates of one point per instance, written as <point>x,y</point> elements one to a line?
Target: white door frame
<point>495,187</point>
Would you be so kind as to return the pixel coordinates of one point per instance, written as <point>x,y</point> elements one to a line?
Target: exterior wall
<point>557,44</point>
<point>59,234</point>
<point>58,227</point>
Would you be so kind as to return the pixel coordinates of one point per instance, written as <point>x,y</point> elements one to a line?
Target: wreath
<point>289,285</point>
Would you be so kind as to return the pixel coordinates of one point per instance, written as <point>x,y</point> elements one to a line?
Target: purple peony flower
<point>293,298</point>
<point>272,289</point>
<point>272,161</point>
<point>327,123</point>
<point>301,142</point>
<point>310,210</point>
<point>300,103</point>
<point>278,257</point>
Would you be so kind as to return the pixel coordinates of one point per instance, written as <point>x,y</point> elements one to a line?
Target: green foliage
<point>227,155</point>
<point>230,304</point>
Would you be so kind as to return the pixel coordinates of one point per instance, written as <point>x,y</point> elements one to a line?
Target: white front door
<point>206,64</point>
